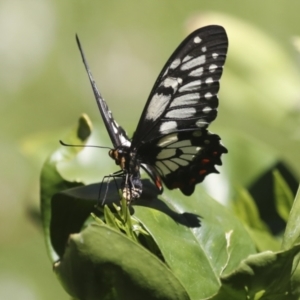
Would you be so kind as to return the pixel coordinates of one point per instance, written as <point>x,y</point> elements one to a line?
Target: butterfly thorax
<point>120,156</point>
<point>129,163</point>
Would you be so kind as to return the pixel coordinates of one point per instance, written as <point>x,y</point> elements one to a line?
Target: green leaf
<point>263,240</point>
<point>292,232</point>
<point>110,218</point>
<point>68,215</point>
<point>71,208</point>
<point>283,196</point>
<point>245,209</point>
<point>295,281</point>
<point>51,181</point>
<point>199,239</point>
<point>101,263</point>
<point>266,275</point>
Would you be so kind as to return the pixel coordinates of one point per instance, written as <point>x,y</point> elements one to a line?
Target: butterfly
<point>171,141</point>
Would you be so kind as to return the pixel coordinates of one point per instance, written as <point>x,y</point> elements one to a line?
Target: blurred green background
<point>44,89</point>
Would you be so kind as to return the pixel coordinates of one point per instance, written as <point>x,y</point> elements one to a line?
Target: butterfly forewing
<point>172,133</point>
<point>116,133</point>
<point>184,96</point>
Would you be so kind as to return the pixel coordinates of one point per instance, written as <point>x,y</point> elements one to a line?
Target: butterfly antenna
<point>83,146</point>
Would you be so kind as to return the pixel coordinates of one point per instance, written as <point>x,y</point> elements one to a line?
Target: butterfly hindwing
<point>184,159</point>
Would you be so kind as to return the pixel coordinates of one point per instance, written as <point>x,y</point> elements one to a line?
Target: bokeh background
<point>44,89</point>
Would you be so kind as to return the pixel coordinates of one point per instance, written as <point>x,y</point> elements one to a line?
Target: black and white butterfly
<point>171,142</point>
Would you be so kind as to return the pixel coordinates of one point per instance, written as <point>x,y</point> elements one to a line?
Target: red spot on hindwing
<point>192,181</point>
<point>158,183</point>
<point>205,161</point>
<point>202,172</point>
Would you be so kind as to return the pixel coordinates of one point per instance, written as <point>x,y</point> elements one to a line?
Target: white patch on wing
<point>175,63</point>
<point>181,113</point>
<point>201,123</point>
<point>206,109</point>
<point>187,99</point>
<point>179,144</point>
<point>189,150</point>
<point>180,162</point>
<point>114,128</point>
<point>197,72</point>
<point>187,157</point>
<point>212,68</point>
<point>199,60</point>
<point>208,96</point>
<point>215,55</point>
<point>203,49</point>
<point>168,139</point>
<point>209,80</point>
<point>124,141</point>
<point>166,153</point>
<point>166,72</point>
<point>191,86</point>
<point>172,166</point>
<point>164,170</point>
<point>197,40</point>
<point>167,127</point>
<point>157,106</point>
<point>188,57</point>
<point>172,82</point>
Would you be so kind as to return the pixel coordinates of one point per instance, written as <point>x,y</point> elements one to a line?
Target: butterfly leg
<point>107,179</point>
